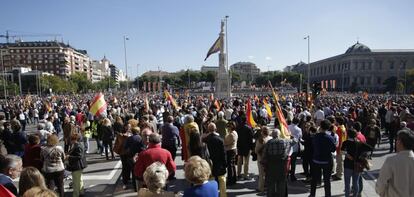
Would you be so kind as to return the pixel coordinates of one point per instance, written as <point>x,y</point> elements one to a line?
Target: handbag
<point>360,161</point>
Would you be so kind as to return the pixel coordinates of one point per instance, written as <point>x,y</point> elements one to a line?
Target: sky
<point>176,34</point>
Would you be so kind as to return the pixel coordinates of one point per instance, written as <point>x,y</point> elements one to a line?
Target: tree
<point>210,76</point>
<point>105,84</point>
<point>354,87</point>
<point>394,85</point>
<point>81,81</point>
<point>57,84</point>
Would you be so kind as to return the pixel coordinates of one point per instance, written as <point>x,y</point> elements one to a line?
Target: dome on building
<point>358,48</point>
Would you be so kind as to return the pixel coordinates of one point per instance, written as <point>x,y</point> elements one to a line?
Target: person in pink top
<point>360,137</point>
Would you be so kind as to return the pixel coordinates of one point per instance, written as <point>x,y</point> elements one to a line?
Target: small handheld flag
<point>250,120</point>
<point>98,105</point>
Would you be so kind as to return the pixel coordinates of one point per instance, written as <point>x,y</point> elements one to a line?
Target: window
<point>369,65</point>
<point>379,65</point>
<point>362,82</point>
<point>379,80</point>
<point>363,65</point>
<point>391,65</point>
<point>368,80</point>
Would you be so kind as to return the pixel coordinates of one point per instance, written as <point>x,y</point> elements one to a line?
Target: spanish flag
<point>216,47</point>
<point>284,132</point>
<point>269,111</point>
<point>171,99</point>
<point>98,105</point>
<point>217,104</point>
<point>365,95</point>
<point>249,116</point>
<point>48,106</point>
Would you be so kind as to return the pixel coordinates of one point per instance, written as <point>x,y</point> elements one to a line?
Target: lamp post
<point>126,64</point>
<point>138,77</point>
<point>308,85</point>
<point>4,74</point>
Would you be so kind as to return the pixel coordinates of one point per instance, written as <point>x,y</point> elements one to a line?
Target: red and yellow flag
<point>217,104</point>
<point>169,97</point>
<point>249,116</point>
<point>269,111</point>
<point>284,132</point>
<point>365,95</point>
<point>98,105</point>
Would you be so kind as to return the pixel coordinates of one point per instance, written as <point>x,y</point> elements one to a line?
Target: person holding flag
<point>244,143</point>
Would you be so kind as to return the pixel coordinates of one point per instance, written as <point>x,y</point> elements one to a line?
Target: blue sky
<point>176,34</point>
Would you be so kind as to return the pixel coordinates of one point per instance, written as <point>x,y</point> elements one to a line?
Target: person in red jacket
<point>153,153</point>
<point>31,155</point>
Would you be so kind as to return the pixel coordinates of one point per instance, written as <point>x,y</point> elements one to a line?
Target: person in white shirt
<point>296,133</point>
<point>319,116</point>
<point>22,119</point>
<point>396,175</point>
<point>35,115</point>
<point>42,133</point>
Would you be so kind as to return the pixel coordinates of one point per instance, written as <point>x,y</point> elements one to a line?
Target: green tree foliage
<point>391,84</point>
<point>83,84</point>
<point>104,84</point>
<point>57,84</point>
<point>277,77</point>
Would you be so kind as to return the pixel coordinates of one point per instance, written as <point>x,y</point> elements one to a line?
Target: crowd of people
<point>334,137</point>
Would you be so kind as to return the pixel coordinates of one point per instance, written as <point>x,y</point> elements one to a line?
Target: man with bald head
<point>215,147</point>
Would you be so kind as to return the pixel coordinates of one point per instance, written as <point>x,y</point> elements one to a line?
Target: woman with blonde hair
<point>155,177</point>
<point>53,169</point>
<point>39,192</point>
<point>30,177</point>
<point>107,137</point>
<point>197,171</point>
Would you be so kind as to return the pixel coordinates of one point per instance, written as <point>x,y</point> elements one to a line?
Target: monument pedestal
<point>223,79</point>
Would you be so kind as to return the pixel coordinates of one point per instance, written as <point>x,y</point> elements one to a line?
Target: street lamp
<point>138,76</point>
<point>4,74</point>
<point>126,63</point>
<point>308,85</point>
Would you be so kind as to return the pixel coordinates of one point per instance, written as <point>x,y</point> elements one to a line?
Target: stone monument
<point>223,89</point>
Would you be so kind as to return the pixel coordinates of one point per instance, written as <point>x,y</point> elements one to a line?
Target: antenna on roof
<point>357,39</point>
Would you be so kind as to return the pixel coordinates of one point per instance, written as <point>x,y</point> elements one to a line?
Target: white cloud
<point>268,58</point>
<point>250,57</point>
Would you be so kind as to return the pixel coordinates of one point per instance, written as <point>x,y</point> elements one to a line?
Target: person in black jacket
<point>244,147</point>
<point>107,137</point>
<point>170,136</point>
<point>323,146</point>
<point>217,153</point>
<point>76,164</point>
<point>16,140</point>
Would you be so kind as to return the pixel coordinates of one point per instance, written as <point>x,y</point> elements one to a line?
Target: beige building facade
<point>358,67</point>
<point>48,56</point>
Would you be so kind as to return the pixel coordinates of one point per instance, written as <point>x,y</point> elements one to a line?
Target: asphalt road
<point>102,177</point>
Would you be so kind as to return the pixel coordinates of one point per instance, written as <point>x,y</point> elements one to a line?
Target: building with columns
<point>359,66</point>
<point>48,56</point>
